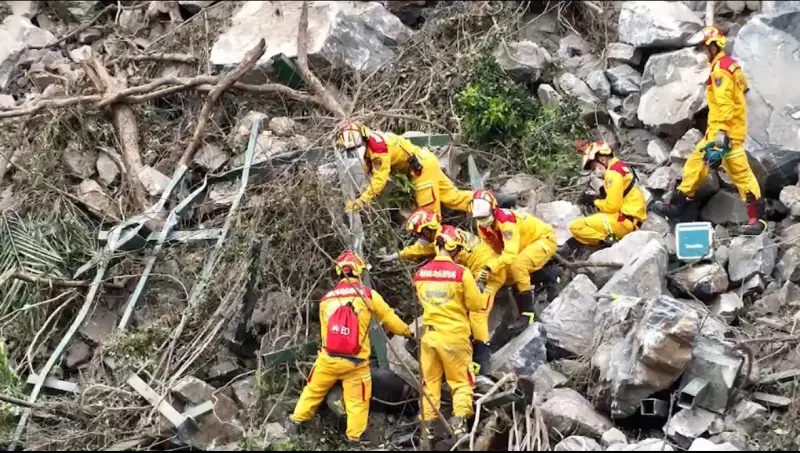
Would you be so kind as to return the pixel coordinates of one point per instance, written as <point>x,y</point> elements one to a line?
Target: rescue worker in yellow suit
<point>621,204</point>
<point>383,154</point>
<point>474,255</point>
<point>447,292</point>
<point>352,370</point>
<point>524,244</point>
<point>723,144</point>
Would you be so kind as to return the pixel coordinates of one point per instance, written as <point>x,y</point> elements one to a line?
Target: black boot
<point>549,277</point>
<point>525,312</point>
<point>569,247</point>
<point>755,211</point>
<point>673,208</point>
<point>482,355</point>
<point>293,429</point>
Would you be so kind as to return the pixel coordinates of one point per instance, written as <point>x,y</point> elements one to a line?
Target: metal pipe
<point>652,407</point>
<point>691,393</point>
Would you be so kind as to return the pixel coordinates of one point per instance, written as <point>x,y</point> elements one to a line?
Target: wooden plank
<point>771,400</point>
<point>199,410</point>
<point>779,377</point>
<point>164,408</point>
<point>55,384</point>
<point>180,236</point>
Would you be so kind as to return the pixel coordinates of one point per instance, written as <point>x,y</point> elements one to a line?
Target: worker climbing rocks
<point>621,203</point>
<point>345,314</point>
<point>384,153</point>
<point>525,245</point>
<point>474,255</point>
<point>723,144</point>
<point>447,293</point>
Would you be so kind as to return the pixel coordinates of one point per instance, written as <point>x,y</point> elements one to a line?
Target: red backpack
<point>343,336</point>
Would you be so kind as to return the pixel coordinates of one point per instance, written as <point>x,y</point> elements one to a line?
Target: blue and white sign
<point>693,240</point>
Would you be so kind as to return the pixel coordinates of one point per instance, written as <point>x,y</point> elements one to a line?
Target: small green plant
<point>498,113</point>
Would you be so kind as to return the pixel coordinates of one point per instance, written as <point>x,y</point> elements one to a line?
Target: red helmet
<point>350,263</point>
<point>483,203</point>
<point>707,36</point>
<point>421,219</point>
<point>450,238</point>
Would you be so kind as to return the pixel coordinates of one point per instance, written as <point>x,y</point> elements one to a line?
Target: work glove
<point>412,331</point>
<point>483,275</point>
<point>722,141</point>
<point>388,258</point>
<point>587,198</point>
<point>353,205</point>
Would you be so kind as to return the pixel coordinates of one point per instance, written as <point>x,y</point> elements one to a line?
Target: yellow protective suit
<point>447,293</point>
<point>619,213</point>
<point>524,244</point>
<point>388,153</point>
<point>354,371</point>
<point>474,257</point>
<point>727,111</point>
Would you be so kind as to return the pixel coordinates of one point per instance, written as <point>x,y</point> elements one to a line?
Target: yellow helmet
<point>707,36</point>
<point>421,219</point>
<point>350,263</point>
<point>591,150</point>
<point>450,238</point>
<point>351,134</point>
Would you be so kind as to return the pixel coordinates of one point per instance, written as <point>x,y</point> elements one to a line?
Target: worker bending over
<point>345,313</point>
<point>524,244</point>
<point>447,293</point>
<point>621,203</point>
<point>474,255</point>
<point>723,143</point>
<point>384,153</point>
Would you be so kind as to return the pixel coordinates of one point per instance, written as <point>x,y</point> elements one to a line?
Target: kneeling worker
<point>447,293</point>
<point>525,245</point>
<point>345,313</point>
<point>384,153</point>
<point>621,203</point>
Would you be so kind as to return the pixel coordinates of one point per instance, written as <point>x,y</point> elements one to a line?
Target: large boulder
<point>524,61</point>
<point>620,253</point>
<point>524,354</point>
<point>725,208</point>
<point>750,256</point>
<point>657,24</point>
<point>703,281</point>
<point>624,79</point>
<point>569,319</point>
<point>673,90</point>
<point>643,275</point>
<point>644,345</point>
<point>766,46</point>
<point>568,413</point>
<point>559,214</point>
<point>593,110</point>
<point>356,35</point>
<point>18,33</point>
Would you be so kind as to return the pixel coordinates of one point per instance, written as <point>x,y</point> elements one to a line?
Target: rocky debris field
<point>169,213</point>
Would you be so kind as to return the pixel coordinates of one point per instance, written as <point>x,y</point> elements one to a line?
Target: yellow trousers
<point>432,188</point>
<point>529,260</point>
<point>442,354</point>
<point>735,164</point>
<point>595,229</point>
<point>356,385</point>
<point>479,320</point>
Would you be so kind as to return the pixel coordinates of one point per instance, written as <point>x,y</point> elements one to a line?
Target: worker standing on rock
<point>447,293</point>
<point>474,255</point>
<point>723,144</point>
<point>384,153</point>
<point>621,203</point>
<point>524,244</point>
<point>345,314</point>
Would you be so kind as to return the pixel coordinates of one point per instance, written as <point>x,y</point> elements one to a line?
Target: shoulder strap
<point>634,180</point>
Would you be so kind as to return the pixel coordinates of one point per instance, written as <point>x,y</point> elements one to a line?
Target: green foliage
<point>9,385</point>
<point>501,114</point>
<point>399,193</point>
<point>139,349</point>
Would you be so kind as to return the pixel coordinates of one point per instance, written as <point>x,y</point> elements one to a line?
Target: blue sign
<point>693,240</point>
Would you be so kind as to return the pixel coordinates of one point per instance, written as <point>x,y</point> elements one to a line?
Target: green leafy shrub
<point>500,114</point>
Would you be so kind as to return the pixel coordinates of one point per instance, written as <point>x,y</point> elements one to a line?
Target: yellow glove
<point>353,205</point>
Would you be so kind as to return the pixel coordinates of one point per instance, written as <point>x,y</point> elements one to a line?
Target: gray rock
<point>267,146</point>
<point>99,326</point>
<point>583,65</point>
<point>685,146</point>
<point>721,255</point>
<point>567,412</point>
<point>621,253</point>
<point>573,45</point>
<point>598,82</point>
<point>643,347</point>
<point>593,110</point>
<point>735,438</point>
<point>753,5</point>
<point>619,52</point>
<point>701,444</point>
<point>661,179</point>
<point>704,280</point>
<point>357,35</point>
<point>107,169</point>
<point>78,353</point>
<point>558,214</point>
<point>737,6</point>
<point>544,380</point>
<point>657,24</point>
<point>23,8</point>
<point>195,6</point>
<point>753,286</point>
<point>524,354</point>
<point>750,256</point>
<point>788,267</point>
<point>80,162</point>
<point>153,180</point>
<point>245,392</point>
<point>673,90</point>
<point>578,443</point>
<point>548,96</point>
<point>658,150</point>
<point>93,196</point>
<point>131,20</point>
<point>725,208</point>
<point>282,126</point>
<point>646,445</point>
<point>790,236</point>
<point>17,33</point>
<point>774,302</point>
<point>241,132</point>
<point>614,104</point>
<point>524,61</point>
<point>614,437</point>
<point>656,224</point>
<point>630,110</point>
<point>211,157</point>
<point>569,319</point>
<point>765,46</point>
<point>528,191</point>
<point>746,417</point>
<point>79,10</point>
<point>686,426</point>
<point>790,196</point>
<point>302,143</point>
<point>727,306</point>
<point>624,79</point>
<point>7,101</point>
